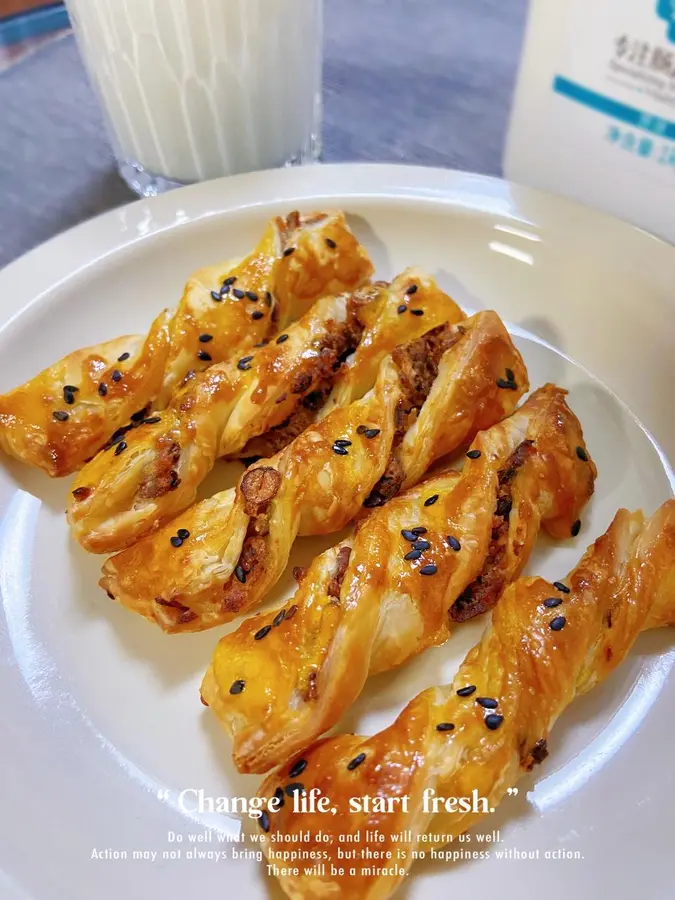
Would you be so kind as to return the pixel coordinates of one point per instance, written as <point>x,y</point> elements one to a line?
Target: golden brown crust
<point>532,670</point>
<point>118,378</point>
<point>326,475</point>
<point>135,488</point>
<point>384,610</point>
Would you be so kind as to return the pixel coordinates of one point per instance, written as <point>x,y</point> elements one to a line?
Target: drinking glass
<point>196,89</point>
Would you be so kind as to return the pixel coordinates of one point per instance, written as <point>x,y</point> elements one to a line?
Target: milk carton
<point>594,110</point>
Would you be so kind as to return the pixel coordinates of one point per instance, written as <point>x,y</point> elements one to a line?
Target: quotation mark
<point>163,794</point>
<point>512,792</point>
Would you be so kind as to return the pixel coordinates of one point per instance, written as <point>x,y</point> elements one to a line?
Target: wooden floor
<point>15,52</point>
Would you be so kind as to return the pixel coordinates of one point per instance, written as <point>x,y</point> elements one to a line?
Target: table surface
<point>427,82</point>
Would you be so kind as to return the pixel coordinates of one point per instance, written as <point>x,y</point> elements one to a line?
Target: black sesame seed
<point>417,312</point>
<point>240,574</point>
<point>204,356</point>
<point>244,363</point>
<point>252,296</point>
<point>282,338</point>
<point>294,788</point>
<point>257,314</point>
<point>487,702</point>
<point>297,768</point>
<point>401,308</point>
<point>268,298</point>
<point>262,632</point>
<point>60,415</point>
<point>224,291</point>
<point>552,602</point>
<point>279,618</point>
<point>413,554</point>
<point>176,541</point>
<point>493,721</point>
<point>117,435</point>
<point>342,442</point>
<point>205,338</point>
<point>123,357</point>
<point>103,389</point>
<point>467,691</point>
<point>279,797</point>
<point>264,820</point>
<point>153,420</point>
<point>229,281</point>
<point>576,528</point>
<point>581,453</point>
<point>216,296</point>
<point>238,294</point>
<point>558,623</point>
<point>412,290</point>
<point>506,385</point>
<point>116,375</point>
<point>289,250</point>
<point>419,529</point>
<point>140,415</point>
<point>331,243</point>
<point>431,569</point>
<point>237,686</point>
<point>291,612</point>
<point>371,433</point>
<point>473,454</point>
<point>409,535</point>
<point>68,396</point>
<point>445,726</point>
<point>509,375</point>
<point>431,500</point>
<point>559,586</point>
<point>120,448</point>
<point>341,451</point>
<point>183,534</point>
<point>421,545</point>
<point>454,543</point>
<point>71,388</point>
<point>356,762</point>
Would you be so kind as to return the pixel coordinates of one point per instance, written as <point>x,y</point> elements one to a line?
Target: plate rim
<point>65,255</point>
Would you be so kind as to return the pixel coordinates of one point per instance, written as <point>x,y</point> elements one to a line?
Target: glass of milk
<point>196,89</point>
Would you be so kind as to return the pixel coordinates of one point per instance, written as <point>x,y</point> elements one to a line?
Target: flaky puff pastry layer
<point>270,394</point>
<point>363,607</point>
<point>63,416</point>
<point>533,660</point>
<point>151,472</point>
<point>240,541</point>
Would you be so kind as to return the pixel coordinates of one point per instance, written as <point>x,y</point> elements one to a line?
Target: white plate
<point>100,710</point>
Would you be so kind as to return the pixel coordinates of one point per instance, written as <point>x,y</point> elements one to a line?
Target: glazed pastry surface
<point>62,417</point>
<point>254,406</point>
<point>240,542</point>
<point>388,592</point>
<point>544,647</point>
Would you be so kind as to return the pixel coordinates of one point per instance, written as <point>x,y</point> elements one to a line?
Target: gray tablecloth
<point>418,81</point>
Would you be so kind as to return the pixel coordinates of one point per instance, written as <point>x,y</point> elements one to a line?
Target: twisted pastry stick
<point>363,607</point>
<point>240,541</point>
<point>545,647</point>
<point>150,474</point>
<point>63,416</point>
<point>395,314</point>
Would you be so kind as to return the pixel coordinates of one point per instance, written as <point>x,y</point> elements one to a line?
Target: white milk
<point>195,89</point>
<point>594,115</point>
